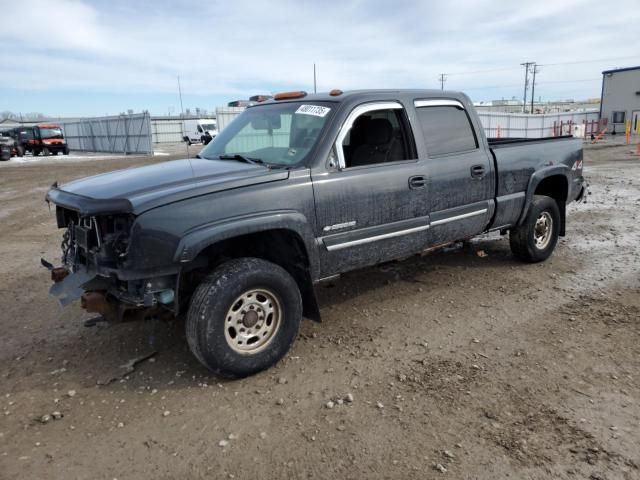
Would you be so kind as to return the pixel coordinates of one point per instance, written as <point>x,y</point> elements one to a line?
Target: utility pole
<point>526,66</point>
<point>533,84</point>
<point>443,78</point>
<point>314,79</point>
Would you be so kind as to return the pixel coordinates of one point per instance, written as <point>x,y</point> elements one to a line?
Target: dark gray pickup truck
<point>296,190</point>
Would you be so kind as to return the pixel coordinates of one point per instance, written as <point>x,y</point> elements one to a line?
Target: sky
<point>91,58</point>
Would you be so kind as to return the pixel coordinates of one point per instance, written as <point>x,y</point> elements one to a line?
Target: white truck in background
<point>199,130</point>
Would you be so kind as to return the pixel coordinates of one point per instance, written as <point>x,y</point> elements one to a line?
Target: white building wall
<point>621,92</point>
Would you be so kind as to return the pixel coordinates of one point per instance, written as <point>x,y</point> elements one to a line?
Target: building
<point>620,99</point>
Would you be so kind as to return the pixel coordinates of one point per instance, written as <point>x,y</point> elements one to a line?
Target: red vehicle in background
<point>46,138</point>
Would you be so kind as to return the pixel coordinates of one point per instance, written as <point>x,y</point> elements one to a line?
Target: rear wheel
<point>46,152</point>
<point>244,317</point>
<point>535,240</point>
<point>19,151</point>
<point>35,152</point>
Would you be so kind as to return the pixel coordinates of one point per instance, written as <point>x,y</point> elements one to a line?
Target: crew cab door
<point>371,202</point>
<point>461,183</point>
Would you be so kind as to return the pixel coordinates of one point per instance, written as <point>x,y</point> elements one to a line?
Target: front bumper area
<point>108,296</point>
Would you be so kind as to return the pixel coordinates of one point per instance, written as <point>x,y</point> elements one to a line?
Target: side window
<point>377,136</point>
<point>446,129</point>
<point>199,129</point>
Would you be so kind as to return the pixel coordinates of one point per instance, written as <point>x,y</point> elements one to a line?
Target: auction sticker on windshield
<point>315,110</point>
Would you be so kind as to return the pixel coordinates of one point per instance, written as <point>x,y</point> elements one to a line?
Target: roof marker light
<point>289,95</point>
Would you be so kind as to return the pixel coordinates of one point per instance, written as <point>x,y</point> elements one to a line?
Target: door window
<point>377,136</point>
<point>447,129</point>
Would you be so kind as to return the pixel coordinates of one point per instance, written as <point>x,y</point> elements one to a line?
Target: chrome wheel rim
<point>252,321</point>
<point>543,230</point>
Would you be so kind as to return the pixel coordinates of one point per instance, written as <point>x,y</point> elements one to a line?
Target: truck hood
<point>139,189</point>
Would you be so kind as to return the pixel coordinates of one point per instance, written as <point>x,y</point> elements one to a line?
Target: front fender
<point>203,236</point>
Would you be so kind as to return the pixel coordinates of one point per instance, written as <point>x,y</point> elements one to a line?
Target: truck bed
<point>511,141</point>
<point>517,159</point>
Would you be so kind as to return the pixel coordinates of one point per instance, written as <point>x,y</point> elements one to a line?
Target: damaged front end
<point>95,265</point>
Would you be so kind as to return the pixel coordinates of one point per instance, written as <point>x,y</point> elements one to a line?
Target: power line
<point>504,69</point>
<point>545,82</point>
<point>572,81</point>
<point>589,61</point>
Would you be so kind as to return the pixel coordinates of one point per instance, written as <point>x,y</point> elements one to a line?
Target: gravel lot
<point>457,365</point>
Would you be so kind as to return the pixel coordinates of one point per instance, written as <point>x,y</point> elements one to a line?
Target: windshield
<point>50,132</point>
<point>280,134</point>
<point>209,126</point>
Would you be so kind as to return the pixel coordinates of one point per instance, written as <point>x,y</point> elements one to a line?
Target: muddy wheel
<point>244,317</point>
<point>536,238</point>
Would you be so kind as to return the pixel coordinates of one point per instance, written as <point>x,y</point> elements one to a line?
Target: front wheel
<point>244,317</point>
<point>535,240</point>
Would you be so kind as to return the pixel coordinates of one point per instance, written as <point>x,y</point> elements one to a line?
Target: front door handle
<point>418,181</point>
<point>477,171</point>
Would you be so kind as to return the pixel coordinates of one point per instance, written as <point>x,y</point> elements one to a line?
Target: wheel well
<point>280,246</point>
<point>556,187</point>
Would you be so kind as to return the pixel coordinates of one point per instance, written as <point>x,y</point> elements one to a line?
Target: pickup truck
<point>297,190</point>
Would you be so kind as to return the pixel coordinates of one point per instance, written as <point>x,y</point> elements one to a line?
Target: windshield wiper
<point>242,158</point>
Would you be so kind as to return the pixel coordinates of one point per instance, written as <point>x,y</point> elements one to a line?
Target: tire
<point>35,152</point>
<point>535,240</point>
<point>46,152</point>
<point>227,324</point>
<point>19,151</point>
<point>65,151</point>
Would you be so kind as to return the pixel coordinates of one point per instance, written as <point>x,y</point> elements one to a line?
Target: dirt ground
<point>459,366</point>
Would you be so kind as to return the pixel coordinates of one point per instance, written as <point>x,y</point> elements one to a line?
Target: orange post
<point>627,132</point>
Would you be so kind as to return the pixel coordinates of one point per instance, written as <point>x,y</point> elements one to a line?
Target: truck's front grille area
<point>87,238</point>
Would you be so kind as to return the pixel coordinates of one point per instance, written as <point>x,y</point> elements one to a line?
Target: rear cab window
<point>446,127</point>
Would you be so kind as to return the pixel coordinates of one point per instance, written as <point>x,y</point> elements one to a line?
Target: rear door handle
<point>477,171</point>
<point>418,181</point>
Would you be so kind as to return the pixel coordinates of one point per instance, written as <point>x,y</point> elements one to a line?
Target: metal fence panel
<point>115,134</point>
<point>506,125</point>
<point>167,131</point>
<point>225,115</point>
